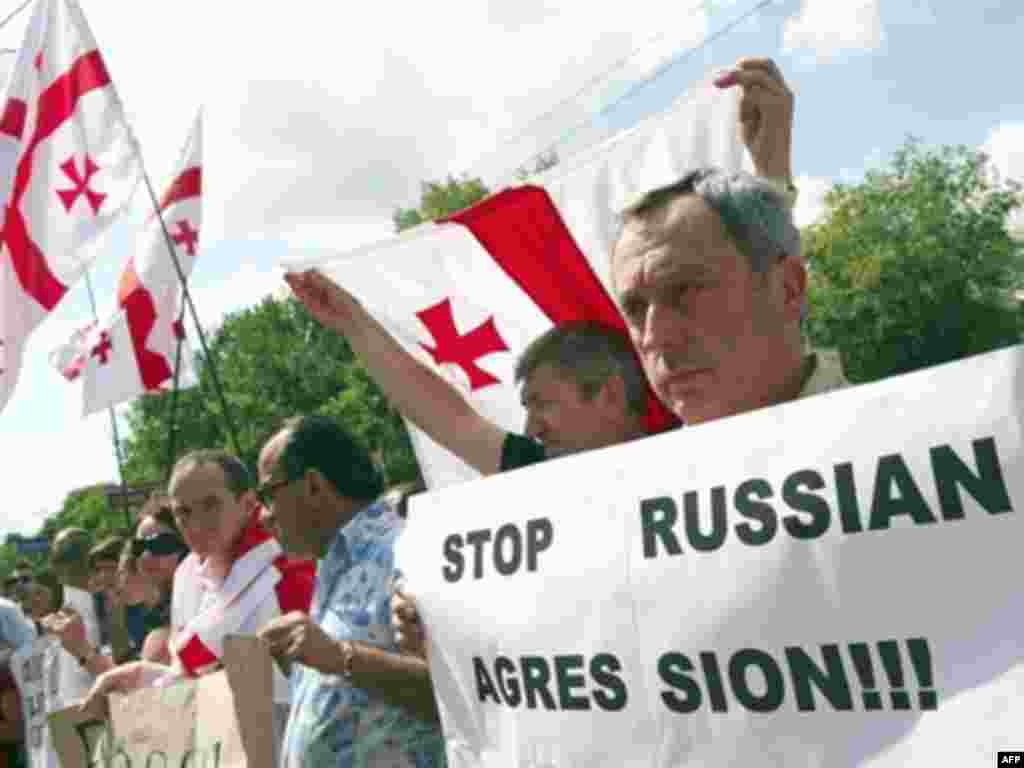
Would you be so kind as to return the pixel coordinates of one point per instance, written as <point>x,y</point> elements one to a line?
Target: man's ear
<point>794,284</point>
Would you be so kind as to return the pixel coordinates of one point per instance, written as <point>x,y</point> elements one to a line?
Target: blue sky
<point>319,124</point>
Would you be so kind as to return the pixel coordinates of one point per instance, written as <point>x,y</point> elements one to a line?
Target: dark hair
<point>237,477</point>
<point>317,442</point>
<point>589,353</point>
<point>108,549</point>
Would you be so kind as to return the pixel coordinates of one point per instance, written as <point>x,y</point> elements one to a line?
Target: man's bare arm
<point>422,396</point>
<point>400,679</point>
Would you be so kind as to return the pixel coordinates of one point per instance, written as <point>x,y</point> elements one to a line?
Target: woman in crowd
<point>156,550</point>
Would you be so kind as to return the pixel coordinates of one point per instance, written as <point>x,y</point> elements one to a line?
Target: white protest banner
<point>221,720</point>
<point>36,670</point>
<point>826,582</point>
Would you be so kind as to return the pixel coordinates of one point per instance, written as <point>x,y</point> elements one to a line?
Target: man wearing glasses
<point>236,579</point>
<point>355,699</point>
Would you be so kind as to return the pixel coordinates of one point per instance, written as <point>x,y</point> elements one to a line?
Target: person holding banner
<point>710,279</point>
<point>712,286</point>
<point>355,700</point>
<point>235,580</point>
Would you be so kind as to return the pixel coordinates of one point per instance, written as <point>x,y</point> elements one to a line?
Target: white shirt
<point>74,681</point>
<point>193,592</point>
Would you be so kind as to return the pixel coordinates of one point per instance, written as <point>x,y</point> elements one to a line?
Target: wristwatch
<point>348,654</point>
<point>784,186</point>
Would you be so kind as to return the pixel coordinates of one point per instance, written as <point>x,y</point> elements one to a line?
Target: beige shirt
<point>827,374</point>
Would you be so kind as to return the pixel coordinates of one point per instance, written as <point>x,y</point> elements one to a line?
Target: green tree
<point>274,361</point>
<point>86,508</point>
<point>440,198</point>
<point>915,266</point>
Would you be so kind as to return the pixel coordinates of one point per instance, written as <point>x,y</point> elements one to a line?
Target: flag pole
<point>186,294</point>
<point>110,409</point>
<point>172,437</point>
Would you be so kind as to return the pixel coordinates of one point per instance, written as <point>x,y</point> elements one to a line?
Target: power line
<point>640,85</point>
<point>14,13</point>
<point>619,64</point>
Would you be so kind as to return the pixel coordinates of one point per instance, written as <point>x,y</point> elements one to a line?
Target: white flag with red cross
<point>138,350</point>
<point>467,294</point>
<point>74,167</point>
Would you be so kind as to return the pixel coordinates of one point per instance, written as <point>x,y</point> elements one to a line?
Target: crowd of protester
<point>712,287</point>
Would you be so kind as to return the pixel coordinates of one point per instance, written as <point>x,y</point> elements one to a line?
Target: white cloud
<point>248,286</point>
<point>319,121</point>
<point>810,203</point>
<point>828,28</point>
<point>1005,148</point>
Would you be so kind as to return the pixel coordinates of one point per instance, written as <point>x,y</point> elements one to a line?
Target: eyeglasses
<point>158,544</point>
<point>265,491</point>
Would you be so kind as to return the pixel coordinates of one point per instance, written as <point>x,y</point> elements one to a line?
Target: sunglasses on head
<point>158,544</point>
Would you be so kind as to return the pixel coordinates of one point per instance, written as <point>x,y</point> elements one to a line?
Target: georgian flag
<point>469,293</point>
<point>137,350</point>
<point>72,168</point>
<point>262,585</point>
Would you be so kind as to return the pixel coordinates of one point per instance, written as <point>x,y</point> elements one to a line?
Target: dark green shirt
<point>520,451</point>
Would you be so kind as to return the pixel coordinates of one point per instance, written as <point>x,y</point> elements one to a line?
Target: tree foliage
<point>273,361</point>
<point>915,266</point>
<point>440,198</point>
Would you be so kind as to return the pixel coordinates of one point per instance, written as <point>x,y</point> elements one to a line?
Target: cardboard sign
<point>36,671</point>
<point>826,582</point>
<point>222,720</point>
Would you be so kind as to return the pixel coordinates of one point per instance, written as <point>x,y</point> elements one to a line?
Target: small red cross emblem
<point>102,350</point>
<point>69,196</point>
<point>186,236</point>
<point>463,350</point>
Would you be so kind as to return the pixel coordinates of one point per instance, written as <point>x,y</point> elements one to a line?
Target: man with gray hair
<point>713,289</point>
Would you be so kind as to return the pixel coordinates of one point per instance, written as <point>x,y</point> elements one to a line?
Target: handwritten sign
<point>222,720</point>
<point>36,669</point>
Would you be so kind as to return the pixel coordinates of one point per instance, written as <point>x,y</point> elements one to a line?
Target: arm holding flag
<point>420,395</point>
<point>766,120</point>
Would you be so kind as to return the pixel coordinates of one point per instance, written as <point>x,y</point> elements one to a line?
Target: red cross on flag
<point>468,294</point>
<point>72,168</point>
<point>139,351</point>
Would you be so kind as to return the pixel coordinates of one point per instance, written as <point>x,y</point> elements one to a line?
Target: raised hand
<point>328,302</point>
<point>766,115</point>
